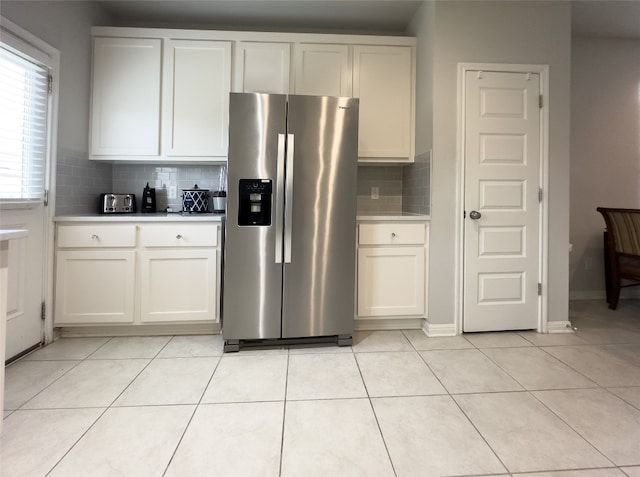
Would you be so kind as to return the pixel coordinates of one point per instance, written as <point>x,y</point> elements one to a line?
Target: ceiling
<point>611,18</point>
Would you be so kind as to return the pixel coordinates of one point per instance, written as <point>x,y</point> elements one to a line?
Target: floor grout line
<point>284,414</point>
<point>446,392</point>
<point>195,409</point>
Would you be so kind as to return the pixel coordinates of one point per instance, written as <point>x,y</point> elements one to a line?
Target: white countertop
<point>177,217</point>
<point>392,217</point>
<point>10,234</point>
<point>139,217</point>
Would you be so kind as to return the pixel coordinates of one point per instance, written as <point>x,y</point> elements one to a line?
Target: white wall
<point>605,149</point>
<point>497,32</point>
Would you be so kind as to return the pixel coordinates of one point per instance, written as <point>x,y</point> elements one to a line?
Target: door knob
<point>475,215</point>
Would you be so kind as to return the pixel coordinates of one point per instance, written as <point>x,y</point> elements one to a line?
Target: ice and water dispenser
<point>255,202</point>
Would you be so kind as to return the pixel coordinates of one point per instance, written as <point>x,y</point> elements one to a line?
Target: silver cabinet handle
<point>94,237</point>
<point>178,236</point>
<point>393,235</point>
<point>474,215</point>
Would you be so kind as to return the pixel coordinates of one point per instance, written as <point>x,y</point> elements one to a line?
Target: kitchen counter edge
<point>13,234</point>
<point>160,217</point>
<point>392,218</point>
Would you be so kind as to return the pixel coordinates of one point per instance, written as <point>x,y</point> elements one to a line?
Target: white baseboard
<point>433,330</point>
<point>629,293</point>
<point>141,330</point>
<point>382,324</point>
<point>559,327</point>
<point>587,295</point>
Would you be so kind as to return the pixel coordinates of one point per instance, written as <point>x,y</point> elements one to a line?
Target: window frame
<point>25,44</point>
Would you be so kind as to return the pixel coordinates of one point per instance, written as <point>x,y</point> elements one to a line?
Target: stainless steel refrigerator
<point>289,241</point>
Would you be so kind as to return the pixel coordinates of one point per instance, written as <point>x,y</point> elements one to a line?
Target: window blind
<point>23,127</point>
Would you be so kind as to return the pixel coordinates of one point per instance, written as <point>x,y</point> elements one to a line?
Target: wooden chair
<point>621,250</point>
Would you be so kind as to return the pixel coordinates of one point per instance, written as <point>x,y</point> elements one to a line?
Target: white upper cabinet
<point>195,105</point>
<point>262,67</point>
<point>322,69</point>
<point>125,109</point>
<point>162,95</point>
<point>383,80</point>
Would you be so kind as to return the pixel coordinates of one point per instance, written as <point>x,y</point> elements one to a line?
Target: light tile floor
<point>395,404</point>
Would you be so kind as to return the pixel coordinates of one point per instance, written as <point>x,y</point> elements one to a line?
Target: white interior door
<point>28,73</point>
<point>25,293</point>
<point>502,206</point>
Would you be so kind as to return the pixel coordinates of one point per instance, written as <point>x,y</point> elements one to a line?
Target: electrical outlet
<point>173,192</point>
<point>375,193</point>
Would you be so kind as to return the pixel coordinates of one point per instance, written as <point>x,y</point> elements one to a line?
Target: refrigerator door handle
<point>280,197</point>
<point>288,200</point>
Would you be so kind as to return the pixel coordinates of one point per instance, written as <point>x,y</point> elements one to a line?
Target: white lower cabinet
<point>391,270</point>
<point>137,274</point>
<point>178,285</point>
<point>95,286</point>
<point>391,281</point>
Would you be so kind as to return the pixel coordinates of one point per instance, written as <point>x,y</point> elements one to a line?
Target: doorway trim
<point>543,71</point>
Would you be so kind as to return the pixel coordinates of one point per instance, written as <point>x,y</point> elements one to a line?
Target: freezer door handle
<point>280,197</point>
<point>288,200</point>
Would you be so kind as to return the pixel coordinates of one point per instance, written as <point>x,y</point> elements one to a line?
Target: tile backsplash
<point>79,182</point>
<point>134,177</point>
<point>388,181</point>
<point>416,180</point>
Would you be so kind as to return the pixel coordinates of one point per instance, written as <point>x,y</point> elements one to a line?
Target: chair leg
<point>607,269</point>
<point>614,294</point>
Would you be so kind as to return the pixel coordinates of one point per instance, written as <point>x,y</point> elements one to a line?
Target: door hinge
<point>50,84</point>
<point>540,101</point>
<point>46,197</point>
<point>539,289</point>
<point>540,195</point>
<point>43,310</point>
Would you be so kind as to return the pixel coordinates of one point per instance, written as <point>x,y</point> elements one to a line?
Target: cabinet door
<point>94,286</point>
<point>322,70</point>
<point>262,67</point>
<point>391,281</point>
<point>125,106</point>
<point>195,98</point>
<point>383,80</point>
<point>178,285</point>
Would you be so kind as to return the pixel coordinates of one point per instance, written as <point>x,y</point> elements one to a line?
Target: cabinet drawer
<point>179,235</point>
<point>391,234</point>
<point>96,235</point>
